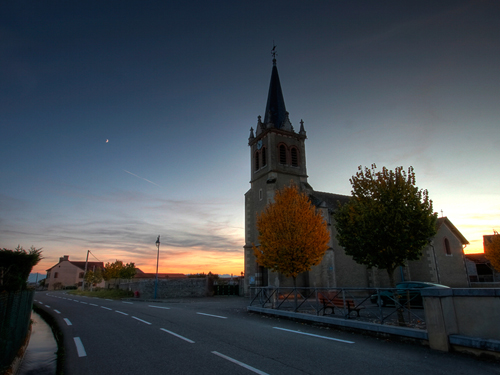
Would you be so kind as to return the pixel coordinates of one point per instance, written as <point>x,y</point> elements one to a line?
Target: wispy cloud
<point>142,178</point>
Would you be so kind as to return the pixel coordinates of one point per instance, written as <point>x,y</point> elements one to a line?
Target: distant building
<point>480,269</point>
<point>68,273</point>
<point>277,157</point>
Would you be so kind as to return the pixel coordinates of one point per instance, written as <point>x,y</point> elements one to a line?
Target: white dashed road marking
<point>119,312</point>
<point>67,321</point>
<point>253,369</point>
<point>57,311</point>
<point>79,347</point>
<point>176,335</point>
<point>313,335</point>
<point>107,308</point>
<point>214,316</point>
<point>159,307</point>
<point>141,320</point>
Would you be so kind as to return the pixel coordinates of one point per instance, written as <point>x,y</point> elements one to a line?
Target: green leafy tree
<point>118,270</point>
<point>94,276</point>
<point>16,266</point>
<point>388,220</point>
<point>492,250</point>
<point>293,235</point>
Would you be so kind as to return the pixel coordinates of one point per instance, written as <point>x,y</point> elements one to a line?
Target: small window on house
<point>81,275</point>
<point>295,158</point>
<point>282,154</point>
<point>55,275</point>
<point>447,246</point>
<point>264,157</point>
<point>257,161</point>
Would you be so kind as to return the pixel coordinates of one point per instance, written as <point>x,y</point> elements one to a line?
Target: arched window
<point>295,157</point>
<point>257,166</point>
<point>282,154</point>
<point>264,157</point>
<point>447,246</point>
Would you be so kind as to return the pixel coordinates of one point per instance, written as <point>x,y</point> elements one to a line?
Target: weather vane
<point>273,51</point>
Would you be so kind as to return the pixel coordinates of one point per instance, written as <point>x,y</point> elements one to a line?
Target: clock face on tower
<point>259,144</point>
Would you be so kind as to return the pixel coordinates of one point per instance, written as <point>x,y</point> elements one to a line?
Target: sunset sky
<point>122,121</point>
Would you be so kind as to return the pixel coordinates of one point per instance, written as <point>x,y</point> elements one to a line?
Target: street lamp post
<point>157,260</point>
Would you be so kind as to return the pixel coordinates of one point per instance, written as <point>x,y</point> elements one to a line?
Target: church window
<point>55,275</point>
<point>282,154</point>
<point>295,157</point>
<point>257,166</point>
<point>447,246</point>
<point>261,195</point>
<point>264,157</point>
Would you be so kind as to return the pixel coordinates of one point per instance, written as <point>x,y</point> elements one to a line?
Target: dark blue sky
<point>175,88</point>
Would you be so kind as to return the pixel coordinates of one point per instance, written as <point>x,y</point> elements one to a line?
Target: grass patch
<point>104,293</point>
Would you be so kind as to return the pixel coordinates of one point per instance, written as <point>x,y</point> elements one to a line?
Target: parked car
<point>407,293</point>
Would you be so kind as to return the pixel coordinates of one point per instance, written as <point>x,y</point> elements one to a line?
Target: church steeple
<point>275,108</point>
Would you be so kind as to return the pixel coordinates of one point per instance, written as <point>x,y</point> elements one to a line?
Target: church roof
<point>329,199</point>
<point>275,107</point>
<point>449,224</point>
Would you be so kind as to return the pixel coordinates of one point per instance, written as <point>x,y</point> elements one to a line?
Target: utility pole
<point>157,260</point>
<point>85,272</point>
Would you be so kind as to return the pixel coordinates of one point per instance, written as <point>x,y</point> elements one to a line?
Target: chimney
<point>65,257</point>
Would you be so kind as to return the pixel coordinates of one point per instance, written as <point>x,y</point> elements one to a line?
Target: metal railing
<point>401,307</point>
<point>15,315</point>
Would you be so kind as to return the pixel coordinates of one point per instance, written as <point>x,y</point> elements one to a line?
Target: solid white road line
<point>176,335</point>
<point>57,311</point>
<point>141,320</point>
<point>253,369</point>
<point>313,335</point>
<point>107,308</point>
<point>79,347</point>
<point>214,316</point>
<point>67,321</point>
<point>119,312</point>
<point>159,307</point>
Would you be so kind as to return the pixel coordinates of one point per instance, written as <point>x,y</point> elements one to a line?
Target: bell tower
<point>277,157</point>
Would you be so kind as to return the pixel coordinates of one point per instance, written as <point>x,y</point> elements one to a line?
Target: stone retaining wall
<point>169,288</point>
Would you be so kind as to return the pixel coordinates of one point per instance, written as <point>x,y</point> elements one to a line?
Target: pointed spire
<point>275,108</point>
<point>302,131</point>
<point>251,135</point>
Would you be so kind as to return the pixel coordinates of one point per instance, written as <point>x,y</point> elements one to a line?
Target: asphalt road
<point>218,336</point>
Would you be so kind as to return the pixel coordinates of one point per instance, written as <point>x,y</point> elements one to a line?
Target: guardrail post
<point>440,317</point>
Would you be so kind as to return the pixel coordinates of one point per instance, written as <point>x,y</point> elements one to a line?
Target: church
<point>278,157</point>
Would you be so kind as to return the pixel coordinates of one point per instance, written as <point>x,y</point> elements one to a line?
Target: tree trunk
<point>397,304</point>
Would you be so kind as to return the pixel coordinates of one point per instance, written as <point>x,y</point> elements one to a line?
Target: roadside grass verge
<point>104,293</point>
<point>58,335</point>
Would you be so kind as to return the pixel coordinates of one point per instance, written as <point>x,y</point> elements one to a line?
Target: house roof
<point>81,265</point>
<point>445,221</point>
<point>478,258</point>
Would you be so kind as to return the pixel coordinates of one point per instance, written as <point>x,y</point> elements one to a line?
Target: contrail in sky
<point>142,178</point>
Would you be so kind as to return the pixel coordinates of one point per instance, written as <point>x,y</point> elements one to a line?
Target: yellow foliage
<point>293,235</point>
<point>492,250</point>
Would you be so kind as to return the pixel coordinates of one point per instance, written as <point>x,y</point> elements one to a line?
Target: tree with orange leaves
<point>492,250</point>
<point>293,235</point>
